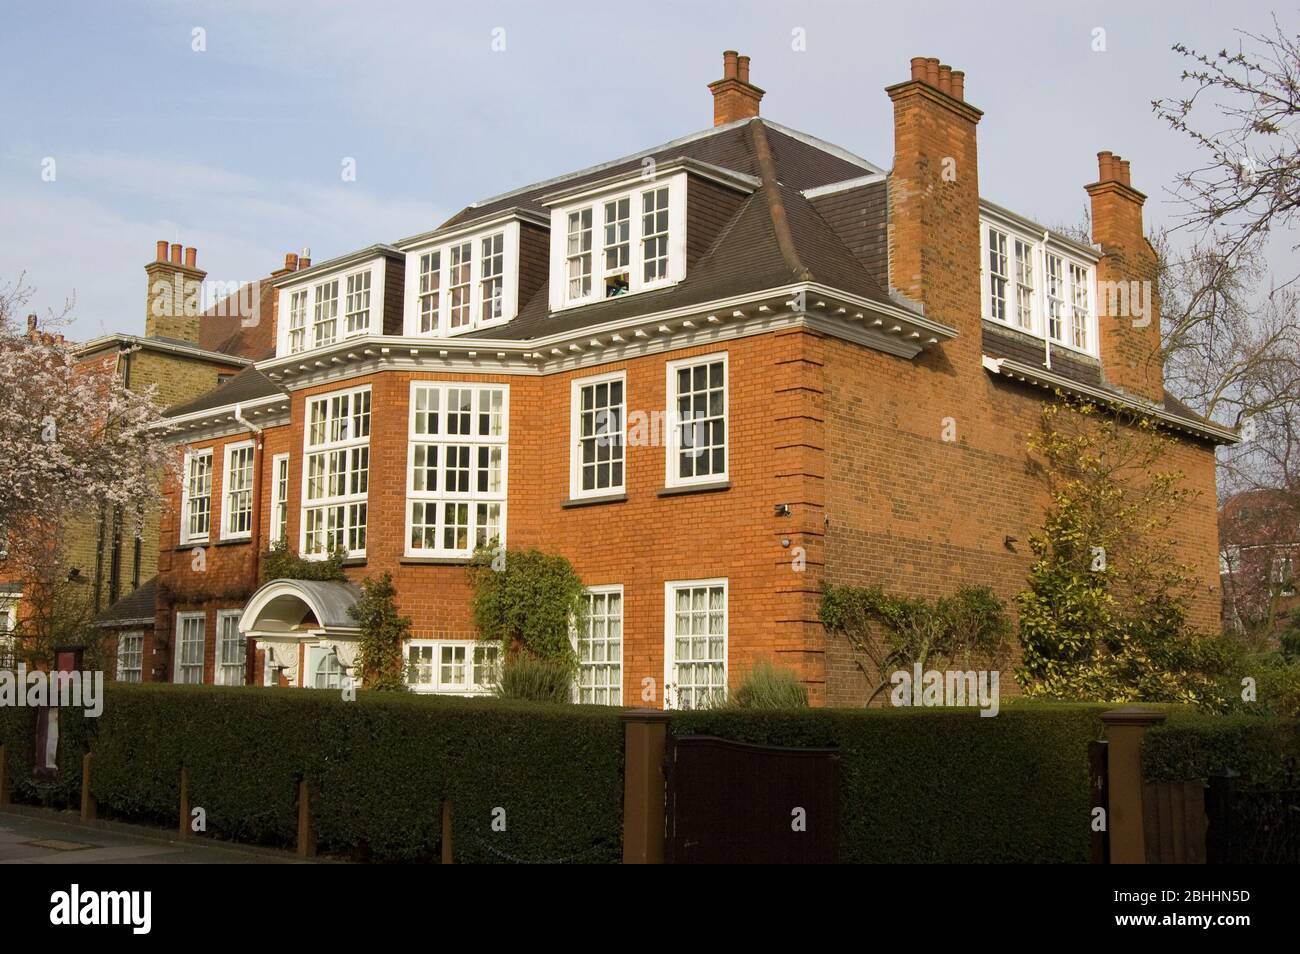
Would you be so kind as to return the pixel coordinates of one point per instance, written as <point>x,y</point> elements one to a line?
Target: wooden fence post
<point>185,803</point>
<point>4,778</point>
<point>87,800</point>
<point>306,837</point>
<point>446,831</point>
<point>1124,818</point>
<point>645,734</point>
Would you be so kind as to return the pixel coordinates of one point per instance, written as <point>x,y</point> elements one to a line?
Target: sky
<point>228,125</point>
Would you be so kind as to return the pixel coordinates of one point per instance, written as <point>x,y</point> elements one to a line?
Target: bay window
<point>457,464</point>
<point>336,473</point>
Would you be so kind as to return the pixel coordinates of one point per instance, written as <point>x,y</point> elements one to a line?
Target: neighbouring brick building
<point>714,375</point>
<point>1259,558</point>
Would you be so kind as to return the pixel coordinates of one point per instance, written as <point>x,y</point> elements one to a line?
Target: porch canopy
<point>301,608</point>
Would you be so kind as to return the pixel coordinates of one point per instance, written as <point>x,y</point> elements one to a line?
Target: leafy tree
<point>383,631</point>
<point>896,632</point>
<point>529,601</point>
<point>1105,613</point>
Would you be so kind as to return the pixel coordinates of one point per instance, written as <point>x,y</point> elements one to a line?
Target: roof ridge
<point>775,204</point>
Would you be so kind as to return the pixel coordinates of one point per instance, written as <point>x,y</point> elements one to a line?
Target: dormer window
<point>458,284</point>
<point>1035,282</point>
<point>618,240</point>
<point>325,323</point>
<point>328,305</point>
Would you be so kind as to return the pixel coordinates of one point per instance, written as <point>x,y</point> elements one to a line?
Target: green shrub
<point>768,687</point>
<point>280,562</point>
<point>1262,751</point>
<point>942,785</point>
<point>379,768</point>
<point>528,601</point>
<point>383,632</point>
<point>536,680</point>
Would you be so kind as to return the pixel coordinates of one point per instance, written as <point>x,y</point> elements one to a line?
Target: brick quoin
<point>849,438</point>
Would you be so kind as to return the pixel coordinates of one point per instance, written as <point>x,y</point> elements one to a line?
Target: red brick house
<point>713,374</point>
<point>1259,560</point>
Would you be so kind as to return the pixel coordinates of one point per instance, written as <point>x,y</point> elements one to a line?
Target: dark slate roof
<point>799,165</point>
<point>1008,343</point>
<point>139,604</point>
<point>746,254</point>
<point>248,385</point>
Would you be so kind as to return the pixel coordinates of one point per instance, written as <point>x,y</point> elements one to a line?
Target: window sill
<point>434,561</point>
<point>711,488</point>
<point>355,561</point>
<point>234,542</point>
<point>593,501</point>
<point>204,544</point>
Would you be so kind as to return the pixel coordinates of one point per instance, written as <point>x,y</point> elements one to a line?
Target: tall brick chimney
<point>734,96</point>
<point>1128,301</point>
<point>173,301</point>
<point>934,216</point>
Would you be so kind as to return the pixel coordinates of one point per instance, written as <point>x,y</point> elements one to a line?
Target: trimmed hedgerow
<point>378,768</point>
<point>1260,750</point>
<point>18,734</point>
<point>942,785</point>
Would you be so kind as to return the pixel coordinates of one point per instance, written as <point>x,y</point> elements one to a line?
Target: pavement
<point>32,836</point>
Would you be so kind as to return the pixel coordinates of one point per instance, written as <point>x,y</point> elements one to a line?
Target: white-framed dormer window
<point>297,321</point>
<point>599,416</point>
<point>279,497</point>
<point>454,667</point>
<point>232,649</point>
<point>237,492</point>
<point>325,322</point>
<point>1037,283</point>
<point>695,643</point>
<point>356,313</point>
<point>187,651</point>
<point>130,656</point>
<point>619,240</point>
<point>463,282</point>
<point>336,473</point>
<point>697,413</point>
<point>196,497</point>
<point>456,469</point>
<point>600,648</point>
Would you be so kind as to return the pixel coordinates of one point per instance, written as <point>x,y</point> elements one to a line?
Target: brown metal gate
<point>731,802</point>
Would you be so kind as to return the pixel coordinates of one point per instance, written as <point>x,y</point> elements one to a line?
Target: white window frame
<point>8,625</point>
<point>672,478</point>
<point>224,620</point>
<point>138,668</point>
<point>470,648</point>
<point>441,497</point>
<point>614,589</point>
<point>188,498</point>
<point>670,604</point>
<point>293,337</point>
<point>509,232</point>
<point>227,506</point>
<point>178,645</point>
<point>356,287</point>
<point>280,497</point>
<point>1072,264</point>
<point>560,297</point>
<point>347,445</point>
<point>576,438</point>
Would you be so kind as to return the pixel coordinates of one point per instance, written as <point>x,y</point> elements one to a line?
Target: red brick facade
<point>847,464</point>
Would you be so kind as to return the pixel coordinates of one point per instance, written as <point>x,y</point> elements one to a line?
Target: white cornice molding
<point>145,343</point>
<point>1049,380</point>
<point>448,233</point>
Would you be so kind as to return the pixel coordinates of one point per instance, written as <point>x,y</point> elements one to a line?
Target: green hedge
<point>379,769</point>
<point>942,785</point>
<point>1262,751</point>
<point>18,734</point>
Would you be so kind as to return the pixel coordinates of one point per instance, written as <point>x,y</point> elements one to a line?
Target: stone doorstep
<point>72,820</point>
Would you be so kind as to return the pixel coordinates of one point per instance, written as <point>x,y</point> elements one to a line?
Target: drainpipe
<point>255,519</point>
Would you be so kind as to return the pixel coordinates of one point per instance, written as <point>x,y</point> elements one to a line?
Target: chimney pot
<point>959,85</point>
<point>945,78</point>
<point>742,69</point>
<point>918,68</point>
<point>932,71</point>
<point>161,254</point>
<point>176,253</point>
<point>291,261</point>
<point>1123,171</point>
<point>1104,159</point>
<point>729,64</point>
<point>191,257</point>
